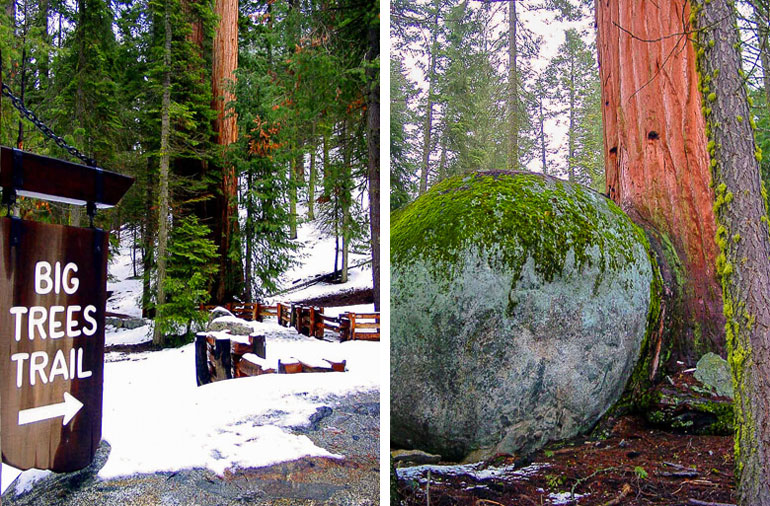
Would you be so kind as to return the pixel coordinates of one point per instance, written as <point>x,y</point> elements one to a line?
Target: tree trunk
<point>513,90</point>
<point>345,199</point>
<point>158,338</point>
<point>148,239</point>
<point>571,129</point>
<point>541,120</point>
<point>311,179</point>
<point>373,145</point>
<point>43,54</point>
<point>293,184</point>
<point>656,159</point>
<point>428,121</point>
<point>247,289</point>
<point>224,63</point>
<point>23,73</point>
<point>762,18</point>
<point>742,236</point>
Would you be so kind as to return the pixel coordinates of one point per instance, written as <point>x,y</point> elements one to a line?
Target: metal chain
<point>32,117</point>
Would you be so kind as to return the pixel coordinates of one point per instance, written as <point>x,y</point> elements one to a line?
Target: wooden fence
<point>310,320</point>
<point>220,356</point>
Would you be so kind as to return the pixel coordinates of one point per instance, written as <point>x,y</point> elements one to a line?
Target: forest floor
<point>626,463</point>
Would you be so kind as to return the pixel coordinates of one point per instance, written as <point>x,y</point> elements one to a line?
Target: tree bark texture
<point>428,120</point>
<point>312,179</point>
<point>657,164</point>
<point>762,18</point>
<point>743,239</point>
<point>224,63</point>
<point>165,129</point>
<point>513,90</point>
<point>373,145</point>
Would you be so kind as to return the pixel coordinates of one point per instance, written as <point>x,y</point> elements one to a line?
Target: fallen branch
<point>488,501</point>
<point>679,466</point>
<point>581,480</point>
<point>681,474</point>
<point>702,483</point>
<point>619,499</point>
<point>696,502</point>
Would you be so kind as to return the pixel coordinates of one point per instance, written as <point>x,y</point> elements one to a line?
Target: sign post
<point>53,295</point>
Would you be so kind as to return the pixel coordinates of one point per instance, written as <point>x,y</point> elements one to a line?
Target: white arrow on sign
<point>67,409</point>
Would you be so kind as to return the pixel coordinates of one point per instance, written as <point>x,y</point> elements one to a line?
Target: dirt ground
<point>627,463</point>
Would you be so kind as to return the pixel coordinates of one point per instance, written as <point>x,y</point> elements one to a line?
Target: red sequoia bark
<point>657,164</point>
<point>224,63</point>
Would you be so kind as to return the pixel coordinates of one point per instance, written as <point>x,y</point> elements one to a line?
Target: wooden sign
<point>53,293</point>
<point>38,176</point>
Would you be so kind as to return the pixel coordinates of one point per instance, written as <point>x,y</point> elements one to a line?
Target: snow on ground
<point>316,256</point>
<point>139,335</point>
<point>127,292</point>
<point>564,498</point>
<point>156,418</point>
<point>475,471</point>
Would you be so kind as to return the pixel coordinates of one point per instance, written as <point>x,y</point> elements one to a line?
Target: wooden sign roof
<point>57,180</point>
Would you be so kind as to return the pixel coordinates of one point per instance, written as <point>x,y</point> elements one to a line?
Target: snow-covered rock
<point>236,326</point>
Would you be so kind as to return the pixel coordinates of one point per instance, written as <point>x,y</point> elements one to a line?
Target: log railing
<point>309,320</point>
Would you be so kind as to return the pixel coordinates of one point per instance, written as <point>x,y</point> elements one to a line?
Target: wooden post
<point>202,374</point>
<point>344,328</point>
<point>259,346</point>
<point>352,318</point>
<point>255,312</point>
<point>221,359</point>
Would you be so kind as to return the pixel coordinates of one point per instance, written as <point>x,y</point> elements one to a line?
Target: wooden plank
<point>337,366</point>
<point>61,181</point>
<point>244,368</point>
<point>375,325</point>
<point>75,316</point>
<point>345,328</point>
<point>238,348</point>
<point>289,368</point>
<point>366,315</point>
<point>366,336</point>
<point>221,360</point>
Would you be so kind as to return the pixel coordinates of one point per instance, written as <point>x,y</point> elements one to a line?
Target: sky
<point>552,32</point>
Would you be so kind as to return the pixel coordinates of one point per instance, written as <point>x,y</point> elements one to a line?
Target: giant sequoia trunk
<point>224,63</point>
<point>657,164</point>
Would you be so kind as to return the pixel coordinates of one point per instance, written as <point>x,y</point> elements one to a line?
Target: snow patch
<point>564,497</point>
<point>475,471</point>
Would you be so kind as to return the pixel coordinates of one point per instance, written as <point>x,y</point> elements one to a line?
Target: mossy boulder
<point>714,372</point>
<point>518,308</point>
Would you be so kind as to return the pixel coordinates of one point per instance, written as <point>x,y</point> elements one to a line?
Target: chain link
<point>32,117</point>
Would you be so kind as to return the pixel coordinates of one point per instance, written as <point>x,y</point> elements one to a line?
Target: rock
<point>714,372</point>
<point>518,308</point>
<point>125,323</point>
<point>219,312</point>
<point>414,457</point>
<point>683,404</point>
<point>236,326</point>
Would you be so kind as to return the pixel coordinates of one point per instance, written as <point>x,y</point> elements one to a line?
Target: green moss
<point>636,396</point>
<point>724,414</point>
<point>517,216</point>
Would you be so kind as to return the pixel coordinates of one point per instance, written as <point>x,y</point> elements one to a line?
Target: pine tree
<point>576,78</point>
<point>402,164</point>
<point>192,265</point>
